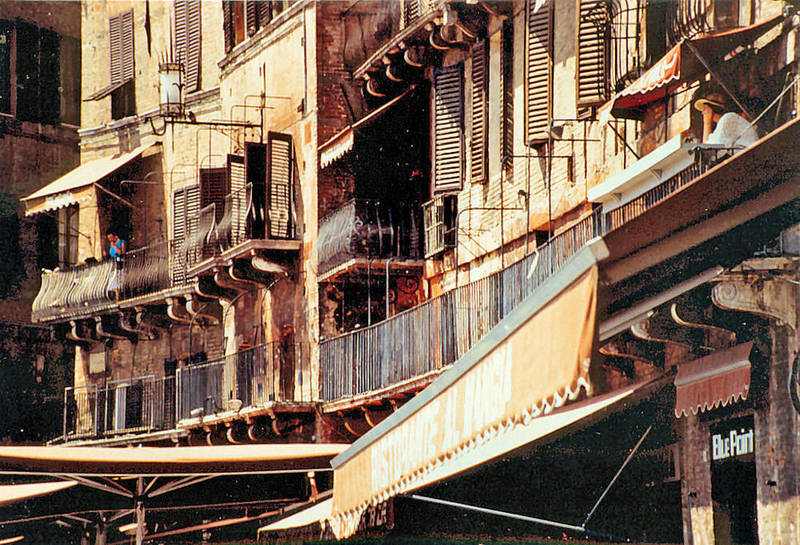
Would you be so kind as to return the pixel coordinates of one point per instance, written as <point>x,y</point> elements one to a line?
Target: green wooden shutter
<point>479,125</point>
<point>591,64</point>
<point>448,135</point>
<point>539,69</point>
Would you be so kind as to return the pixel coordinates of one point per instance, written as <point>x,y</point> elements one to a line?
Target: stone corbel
<point>77,334</point>
<point>176,311</point>
<point>771,297</point>
<point>108,330</point>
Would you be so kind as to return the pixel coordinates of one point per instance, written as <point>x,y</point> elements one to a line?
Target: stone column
<point>698,513</point>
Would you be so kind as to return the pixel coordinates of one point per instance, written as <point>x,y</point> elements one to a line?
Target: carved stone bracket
<point>773,298</point>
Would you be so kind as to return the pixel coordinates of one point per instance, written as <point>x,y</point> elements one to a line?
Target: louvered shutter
<point>539,71</point>
<point>251,13</point>
<point>27,70</point>
<point>592,52</point>
<point>115,54</point>
<point>264,12</point>
<point>213,189</point>
<point>193,45</point>
<point>180,31</point>
<point>279,185</point>
<point>507,90</point>
<point>448,128</point>
<point>185,216</point>
<point>239,195</point>
<point>126,29</point>
<point>120,31</point>
<point>227,24</point>
<point>479,125</point>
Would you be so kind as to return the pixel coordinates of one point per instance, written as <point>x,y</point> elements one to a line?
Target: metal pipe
<point>139,508</point>
<point>619,471</point>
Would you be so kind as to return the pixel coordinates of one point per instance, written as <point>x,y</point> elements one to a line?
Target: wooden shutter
<point>251,13</point>
<point>239,197</point>
<point>185,212</point>
<point>49,76</point>
<point>264,12</point>
<point>479,126</point>
<point>193,45</point>
<point>279,185</point>
<point>6,35</point>
<point>507,90</point>
<point>539,73</point>
<point>120,32</point>
<point>27,70</point>
<point>227,24</point>
<point>213,189</point>
<point>592,52</point>
<point>180,31</point>
<point>448,128</point>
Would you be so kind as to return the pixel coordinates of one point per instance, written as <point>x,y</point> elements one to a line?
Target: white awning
<point>317,512</point>
<point>216,460</point>
<point>65,190</point>
<point>14,493</point>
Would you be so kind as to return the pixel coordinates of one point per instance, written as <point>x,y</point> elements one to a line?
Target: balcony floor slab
<point>378,266</point>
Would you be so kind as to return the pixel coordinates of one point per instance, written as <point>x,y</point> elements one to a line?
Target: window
<point>448,134</point>
<point>34,73</point>
<point>539,69</point>
<point>214,187</point>
<point>239,16</point>
<point>68,236</point>
<point>187,41</point>
<point>439,216</point>
<point>479,125</point>
<point>591,65</point>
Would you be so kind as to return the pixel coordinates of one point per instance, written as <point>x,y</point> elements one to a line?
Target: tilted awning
<point>342,142</point>
<point>720,378</point>
<point>13,493</point>
<point>211,460</point>
<point>680,65</point>
<point>74,186</point>
<point>536,359</point>
<point>316,512</point>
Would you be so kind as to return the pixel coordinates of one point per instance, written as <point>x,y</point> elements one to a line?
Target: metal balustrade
<point>368,229</point>
<point>92,288</point>
<point>268,372</point>
<point>133,405</point>
<point>441,330</point>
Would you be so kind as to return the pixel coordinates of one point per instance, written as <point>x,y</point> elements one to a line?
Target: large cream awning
<point>316,512</point>
<point>75,185</point>
<point>216,460</point>
<point>13,493</point>
<point>495,396</point>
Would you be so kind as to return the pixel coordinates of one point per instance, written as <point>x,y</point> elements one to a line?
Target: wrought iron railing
<point>268,372</point>
<point>133,405</point>
<point>436,333</point>
<point>241,220</point>
<point>368,229</point>
<point>91,288</point>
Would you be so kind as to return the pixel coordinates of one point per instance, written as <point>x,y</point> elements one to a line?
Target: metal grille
<point>447,127</point>
<point>539,72</point>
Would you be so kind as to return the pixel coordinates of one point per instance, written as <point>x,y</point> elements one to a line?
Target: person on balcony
<point>116,251</point>
<point>723,127</point>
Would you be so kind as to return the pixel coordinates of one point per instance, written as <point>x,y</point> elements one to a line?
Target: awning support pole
<point>716,76</point>
<point>139,508</point>
<point>619,472</point>
<point>123,201</point>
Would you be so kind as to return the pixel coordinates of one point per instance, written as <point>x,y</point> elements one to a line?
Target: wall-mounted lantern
<point>170,78</point>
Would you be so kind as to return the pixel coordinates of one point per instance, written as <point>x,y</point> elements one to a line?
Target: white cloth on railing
<point>733,130</point>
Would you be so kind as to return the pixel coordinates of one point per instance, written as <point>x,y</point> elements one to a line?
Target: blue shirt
<point>114,250</point>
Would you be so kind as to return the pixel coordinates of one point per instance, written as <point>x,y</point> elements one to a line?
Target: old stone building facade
<point>357,222</point>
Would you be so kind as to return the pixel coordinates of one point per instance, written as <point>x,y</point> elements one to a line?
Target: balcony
<point>245,229</point>
<point>130,406</point>
<point>366,234</point>
<point>95,288</point>
<point>247,379</point>
<point>424,340</point>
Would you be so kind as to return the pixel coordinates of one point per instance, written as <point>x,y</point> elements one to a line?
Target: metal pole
<point>619,471</point>
<point>139,509</point>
